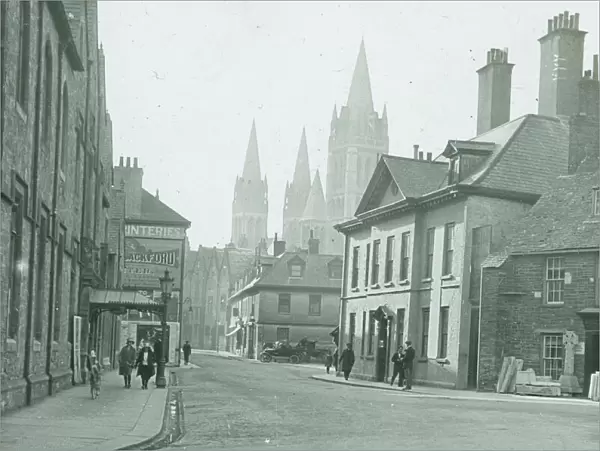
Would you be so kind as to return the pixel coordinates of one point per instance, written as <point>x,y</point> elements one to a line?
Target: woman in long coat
<point>145,365</point>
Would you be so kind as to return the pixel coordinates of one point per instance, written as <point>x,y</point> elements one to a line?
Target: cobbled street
<point>241,405</point>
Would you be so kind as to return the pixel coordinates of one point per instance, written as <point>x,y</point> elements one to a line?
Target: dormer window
<point>335,270</point>
<point>295,270</point>
<point>596,202</point>
<point>453,171</point>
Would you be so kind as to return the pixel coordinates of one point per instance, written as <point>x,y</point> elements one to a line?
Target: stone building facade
<point>423,228</point>
<point>56,191</point>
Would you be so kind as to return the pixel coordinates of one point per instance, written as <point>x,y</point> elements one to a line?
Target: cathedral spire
<point>301,179</point>
<point>316,208</point>
<point>361,96</point>
<point>252,162</point>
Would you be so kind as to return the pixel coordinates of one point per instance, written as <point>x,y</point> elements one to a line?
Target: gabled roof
<point>561,220</point>
<point>316,208</point>
<point>414,178</point>
<point>316,271</point>
<point>155,210</point>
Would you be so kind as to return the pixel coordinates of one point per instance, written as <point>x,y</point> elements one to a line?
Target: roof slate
<point>316,273</point>
<point>416,177</point>
<point>561,220</point>
<point>154,209</point>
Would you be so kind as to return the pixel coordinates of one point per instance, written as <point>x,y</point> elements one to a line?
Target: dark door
<point>381,351</point>
<point>592,359</point>
<point>473,348</point>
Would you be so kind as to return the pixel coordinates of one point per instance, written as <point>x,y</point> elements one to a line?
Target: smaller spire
<point>316,208</point>
<point>301,179</point>
<point>384,114</point>
<point>334,117</point>
<point>252,162</point>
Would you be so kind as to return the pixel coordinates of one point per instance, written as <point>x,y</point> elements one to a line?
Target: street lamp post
<point>166,287</point>
<point>251,333</point>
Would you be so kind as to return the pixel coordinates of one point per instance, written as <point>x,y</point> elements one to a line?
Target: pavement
<point>71,420</point>
<point>231,404</point>
<point>426,391</point>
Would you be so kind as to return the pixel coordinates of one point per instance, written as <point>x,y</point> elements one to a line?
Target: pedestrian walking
<point>187,350</point>
<point>336,360</point>
<point>398,366</point>
<point>328,361</point>
<point>95,375</point>
<point>127,358</point>
<point>407,360</point>
<point>145,365</point>
<point>347,360</point>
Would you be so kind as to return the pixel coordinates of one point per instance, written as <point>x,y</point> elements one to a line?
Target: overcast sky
<point>185,80</point>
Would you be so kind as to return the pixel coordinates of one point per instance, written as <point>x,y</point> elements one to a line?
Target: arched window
<point>65,129</point>
<point>47,110</point>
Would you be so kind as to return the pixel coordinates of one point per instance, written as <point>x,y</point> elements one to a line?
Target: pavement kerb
<point>503,398</point>
<point>146,428</point>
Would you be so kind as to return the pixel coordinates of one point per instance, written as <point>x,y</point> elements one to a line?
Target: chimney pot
<point>416,151</point>
<point>576,21</point>
<point>595,68</point>
<point>312,234</point>
<point>429,156</point>
<point>571,22</point>
<point>561,19</point>
<point>275,238</point>
<point>549,26</point>
<point>121,162</point>
<point>420,155</point>
<point>555,23</point>
<point>128,162</point>
<point>135,162</point>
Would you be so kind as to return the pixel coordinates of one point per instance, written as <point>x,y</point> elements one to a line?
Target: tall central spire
<point>302,170</point>
<point>361,96</point>
<point>252,162</point>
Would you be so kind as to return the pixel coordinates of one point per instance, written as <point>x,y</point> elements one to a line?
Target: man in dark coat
<point>127,362</point>
<point>407,360</point>
<point>398,366</point>
<point>347,360</point>
<point>187,350</point>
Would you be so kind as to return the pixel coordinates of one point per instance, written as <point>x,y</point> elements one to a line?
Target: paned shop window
<point>283,334</point>
<point>555,280</point>
<point>443,351</point>
<point>553,356</point>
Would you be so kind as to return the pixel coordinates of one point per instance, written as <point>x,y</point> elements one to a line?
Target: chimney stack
<point>313,244</point>
<point>120,162</point>
<point>278,247</point>
<point>595,68</point>
<point>561,66</point>
<point>495,80</point>
<point>420,155</point>
<point>589,93</point>
<point>135,162</point>
<point>429,156</point>
<point>416,151</point>
<point>128,162</point>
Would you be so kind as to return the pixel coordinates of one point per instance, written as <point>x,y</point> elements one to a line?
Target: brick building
<point>56,191</point>
<point>285,297</point>
<point>424,226</point>
<point>545,284</point>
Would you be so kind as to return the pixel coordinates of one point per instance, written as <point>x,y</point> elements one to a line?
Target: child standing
<point>328,361</point>
<point>95,376</point>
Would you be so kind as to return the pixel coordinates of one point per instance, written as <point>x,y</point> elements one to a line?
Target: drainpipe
<point>34,177</point>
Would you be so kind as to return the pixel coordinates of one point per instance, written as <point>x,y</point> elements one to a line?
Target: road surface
<point>233,404</point>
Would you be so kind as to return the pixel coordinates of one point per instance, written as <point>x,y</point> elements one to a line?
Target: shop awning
<point>123,299</point>
<point>383,312</point>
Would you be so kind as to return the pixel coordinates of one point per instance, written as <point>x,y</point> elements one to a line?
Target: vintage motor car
<point>283,350</point>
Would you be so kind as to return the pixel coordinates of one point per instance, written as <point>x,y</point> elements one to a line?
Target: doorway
<point>592,358</point>
<point>382,347</point>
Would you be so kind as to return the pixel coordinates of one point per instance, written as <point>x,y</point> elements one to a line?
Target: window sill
<point>283,314</point>
<point>448,277</point>
<point>404,282</point>
<point>442,361</point>
<point>11,345</point>
<point>37,346</point>
<point>314,314</point>
<point>375,286</point>
<point>21,112</point>
<point>427,280</point>
<point>388,284</point>
<point>553,305</point>
<point>355,289</point>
